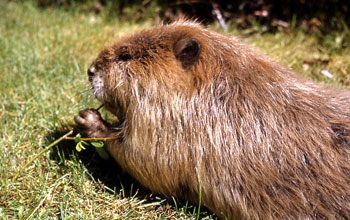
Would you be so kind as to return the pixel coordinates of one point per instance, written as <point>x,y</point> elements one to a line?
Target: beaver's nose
<point>91,72</point>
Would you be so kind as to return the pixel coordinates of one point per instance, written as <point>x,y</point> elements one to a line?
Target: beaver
<point>201,112</point>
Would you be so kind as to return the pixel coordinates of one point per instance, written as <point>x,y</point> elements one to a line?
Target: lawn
<point>44,55</point>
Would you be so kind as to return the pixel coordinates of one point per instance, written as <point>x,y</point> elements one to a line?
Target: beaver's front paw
<point>91,124</point>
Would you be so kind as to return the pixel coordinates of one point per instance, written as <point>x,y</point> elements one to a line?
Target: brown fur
<point>265,142</point>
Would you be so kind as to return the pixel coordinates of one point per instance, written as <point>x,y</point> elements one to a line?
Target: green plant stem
<point>100,107</point>
<point>41,152</point>
<point>92,139</point>
<point>64,137</point>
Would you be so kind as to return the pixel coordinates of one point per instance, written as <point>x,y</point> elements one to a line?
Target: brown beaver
<point>196,105</point>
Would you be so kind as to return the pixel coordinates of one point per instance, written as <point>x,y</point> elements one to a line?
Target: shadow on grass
<point>110,174</point>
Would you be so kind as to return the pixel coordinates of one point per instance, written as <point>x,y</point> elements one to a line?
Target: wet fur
<point>266,143</point>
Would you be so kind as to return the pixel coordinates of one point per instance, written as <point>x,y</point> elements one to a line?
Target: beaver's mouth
<point>96,82</point>
<point>97,87</point>
<point>106,94</point>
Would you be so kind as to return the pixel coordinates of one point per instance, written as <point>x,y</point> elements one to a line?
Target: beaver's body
<point>264,142</point>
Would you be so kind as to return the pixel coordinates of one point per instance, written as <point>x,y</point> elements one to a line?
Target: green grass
<point>44,54</point>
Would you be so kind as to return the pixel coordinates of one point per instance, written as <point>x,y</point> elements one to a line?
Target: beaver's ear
<point>187,50</point>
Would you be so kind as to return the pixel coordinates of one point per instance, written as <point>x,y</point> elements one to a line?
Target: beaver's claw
<point>91,124</point>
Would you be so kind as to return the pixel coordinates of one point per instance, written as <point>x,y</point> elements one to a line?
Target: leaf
<point>77,138</point>
<point>79,146</point>
<point>97,144</point>
<point>84,143</point>
<point>102,152</point>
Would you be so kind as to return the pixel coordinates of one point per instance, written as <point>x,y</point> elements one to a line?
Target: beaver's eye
<point>124,57</point>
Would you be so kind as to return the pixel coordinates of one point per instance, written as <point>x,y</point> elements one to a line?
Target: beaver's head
<point>167,57</point>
